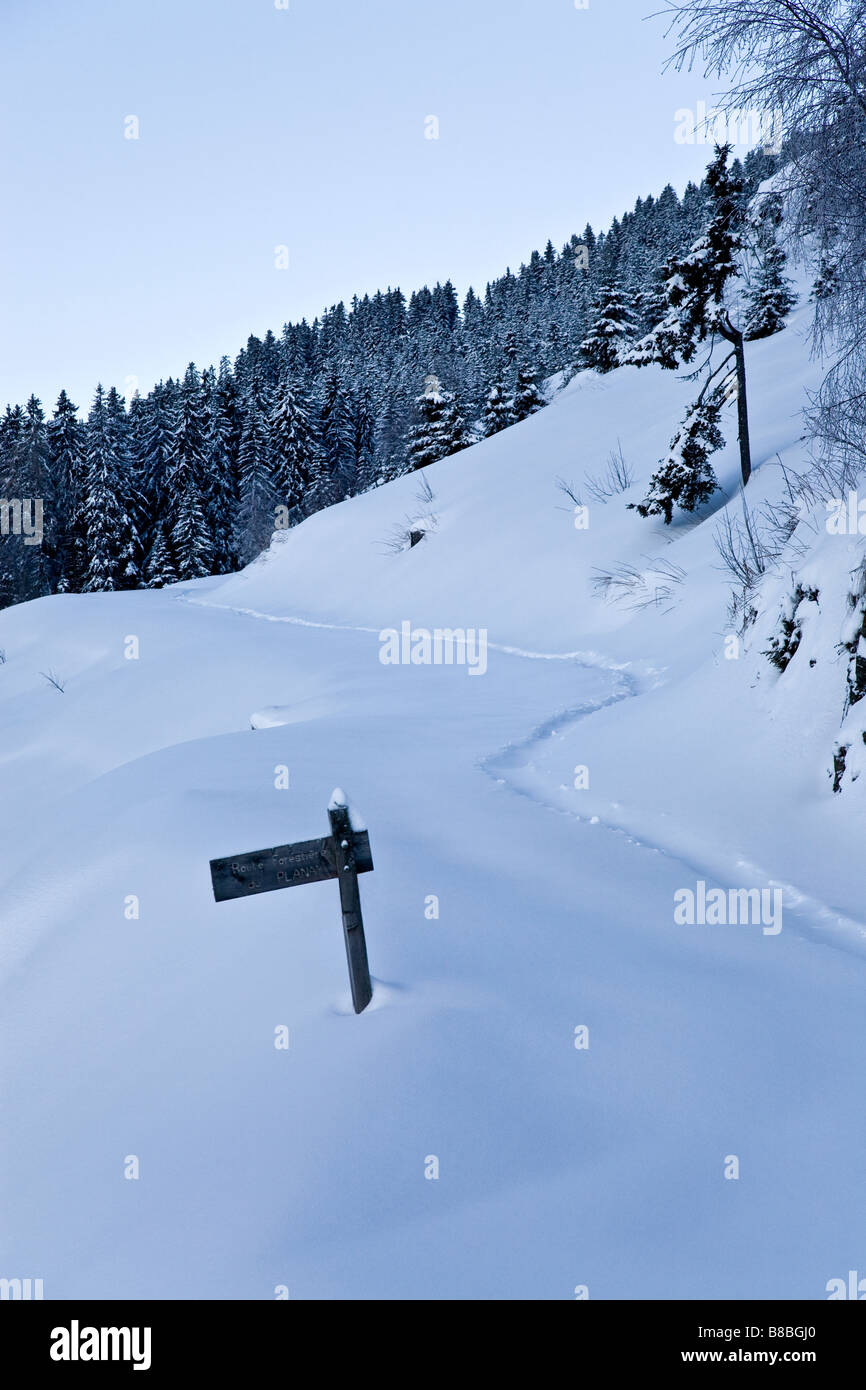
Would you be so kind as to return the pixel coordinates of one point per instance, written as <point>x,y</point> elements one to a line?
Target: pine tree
<point>24,475</point>
<point>220,490</point>
<point>498,412</point>
<point>527,397</point>
<point>191,538</point>
<point>473,339</point>
<point>439,429</point>
<point>294,446</point>
<point>256,512</point>
<point>12,589</point>
<point>159,568</point>
<point>190,535</point>
<point>34,490</point>
<point>612,329</point>
<point>334,471</point>
<point>137,432</point>
<point>154,454</point>
<point>693,214</point>
<point>663,341</point>
<point>649,307</point>
<point>685,478</point>
<point>510,350</point>
<point>363,436</point>
<point>770,297</point>
<point>391,439</point>
<point>227,424</point>
<point>112,541</point>
<point>701,275</point>
<point>554,352</point>
<point>129,547</point>
<point>67,469</point>
<point>696,286</point>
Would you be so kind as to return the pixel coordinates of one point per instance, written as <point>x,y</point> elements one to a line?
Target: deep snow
<point>559,1166</point>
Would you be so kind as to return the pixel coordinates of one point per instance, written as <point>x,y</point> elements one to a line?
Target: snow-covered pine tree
<point>693,214</point>
<point>695,289</point>
<point>391,435</point>
<point>228,421</point>
<point>826,282</point>
<point>11,429</point>
<point>498,412</point>
<point>553,350</point>
<point>67,468</point>
<point>770,297</point>
<point>112,542</point>
<point>333,476</point>
<point>152,462</point>
<point>694,283</point>
<point>685,478</point>
<point>510,350</point>
<point>474,337</point>
<point>137,433</point>
<point>220,483</point>
<point>661,343</point>
<point>23,475</point>
<point>650,305</point>
<point>589,278</point>
<point>34,482</point>
<point>439,429</point>
<point>666,234</point>
<point>256,511</point>
<point>705,270</point>
<point>527,397</point>
<point>159,568</point>
<point>228,395</point>
<point>130,552</point>
<point>363,440</point>
<point>294,446</point>
<point>612,329</point>
<point>191,538</point>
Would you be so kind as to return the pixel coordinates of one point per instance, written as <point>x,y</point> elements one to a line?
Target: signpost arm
<point>350,902</point>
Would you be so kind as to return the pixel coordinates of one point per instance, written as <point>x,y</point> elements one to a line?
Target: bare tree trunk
<point>743,410</point>
<point>737,341</point>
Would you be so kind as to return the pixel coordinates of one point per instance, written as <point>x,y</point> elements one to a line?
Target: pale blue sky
<point>304,127</point>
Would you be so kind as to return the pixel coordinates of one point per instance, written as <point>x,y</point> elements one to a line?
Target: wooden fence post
<point>350,902</point>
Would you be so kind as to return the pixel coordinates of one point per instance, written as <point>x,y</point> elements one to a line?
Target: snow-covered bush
<point>784,643</point>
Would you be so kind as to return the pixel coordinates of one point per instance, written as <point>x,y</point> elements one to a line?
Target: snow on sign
<point>343,855</point>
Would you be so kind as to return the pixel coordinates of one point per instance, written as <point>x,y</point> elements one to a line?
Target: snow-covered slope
<point>559,1165</point>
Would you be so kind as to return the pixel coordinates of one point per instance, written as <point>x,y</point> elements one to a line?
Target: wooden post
<point>350,902</point>
<point>343,855</point>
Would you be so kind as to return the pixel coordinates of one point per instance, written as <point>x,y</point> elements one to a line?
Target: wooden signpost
<point>343,855</point>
